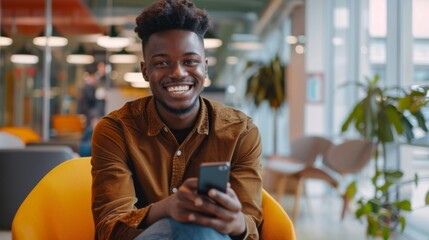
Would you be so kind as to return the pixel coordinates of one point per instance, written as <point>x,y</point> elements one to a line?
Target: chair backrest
<point>307,148</point>
<point>351,156</point>
<point>59,207</point>
<point>25,133</point>
<point>65,124</point>
<point>8,140</point>
<point>20,170</point>
<point>277,224</point>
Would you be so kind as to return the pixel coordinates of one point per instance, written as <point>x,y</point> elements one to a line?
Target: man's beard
<point>178,111</point>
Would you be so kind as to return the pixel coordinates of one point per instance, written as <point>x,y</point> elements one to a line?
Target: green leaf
<point>393,174</point>
<point>386,233</point>
<point>385,133</point>
<point>421,121</point>
<point>394,117</point>
<point>403,222</point>
<point>351,190</point>
<point>404,205</point>
<point>372,226</point>
<point>385,187</point>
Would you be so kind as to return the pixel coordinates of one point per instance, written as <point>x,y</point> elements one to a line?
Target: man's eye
<point>191,62</point>
<point>161,63</point>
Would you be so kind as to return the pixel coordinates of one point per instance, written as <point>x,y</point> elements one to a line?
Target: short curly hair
<point>171,14</point>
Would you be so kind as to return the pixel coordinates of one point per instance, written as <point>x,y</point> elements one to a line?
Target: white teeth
<point>178,89</point>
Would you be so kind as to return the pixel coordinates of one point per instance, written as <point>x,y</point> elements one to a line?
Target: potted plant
<point>383,116</point>
<point>268,84</point>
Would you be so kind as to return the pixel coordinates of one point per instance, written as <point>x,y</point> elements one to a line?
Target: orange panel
<point>70,17</point>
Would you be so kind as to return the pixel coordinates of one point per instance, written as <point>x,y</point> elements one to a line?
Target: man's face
<point>175,66</point>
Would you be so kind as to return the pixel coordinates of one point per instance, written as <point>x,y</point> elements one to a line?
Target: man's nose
<point>177,71</point>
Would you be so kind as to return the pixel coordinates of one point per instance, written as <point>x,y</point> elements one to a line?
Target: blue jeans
<point>167,228</point>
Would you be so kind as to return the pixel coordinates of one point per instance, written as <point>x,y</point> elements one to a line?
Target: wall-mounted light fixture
<point>297,42</point>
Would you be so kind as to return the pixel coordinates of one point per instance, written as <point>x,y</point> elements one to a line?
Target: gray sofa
<point>20,170</point>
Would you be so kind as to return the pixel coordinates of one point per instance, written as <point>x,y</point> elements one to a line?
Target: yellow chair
<point>66,124</point>
<point>277,224</point>
<point>59,207</point>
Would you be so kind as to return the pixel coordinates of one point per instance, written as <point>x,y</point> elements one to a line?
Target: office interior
<point>327,50</point>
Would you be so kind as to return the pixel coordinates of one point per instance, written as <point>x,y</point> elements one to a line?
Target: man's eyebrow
<point>191,53</point>
<point>159,55</point>
<point>166,55</point>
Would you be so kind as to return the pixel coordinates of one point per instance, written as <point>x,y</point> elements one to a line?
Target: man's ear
<point>143,69</point>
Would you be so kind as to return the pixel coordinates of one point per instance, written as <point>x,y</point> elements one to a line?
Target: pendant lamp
<point>136,79</point>
<point>113,40</point>
<point>123,57</point>
<point>5,40</point>
<point>80,57</point>
<point>24,56</point>
<point>56,40</point>
<point>211,41</point>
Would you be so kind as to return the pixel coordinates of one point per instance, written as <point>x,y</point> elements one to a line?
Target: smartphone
<point>213,175</point>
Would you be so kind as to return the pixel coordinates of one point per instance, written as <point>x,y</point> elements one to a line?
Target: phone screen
<point>213,175</point>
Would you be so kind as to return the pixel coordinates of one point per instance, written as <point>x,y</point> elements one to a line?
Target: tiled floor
<point>5,235</point>
<point>319,216</point>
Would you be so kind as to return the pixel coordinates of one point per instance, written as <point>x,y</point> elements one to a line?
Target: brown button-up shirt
<point>137,161</point>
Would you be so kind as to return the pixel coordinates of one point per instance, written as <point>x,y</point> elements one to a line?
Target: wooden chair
<point>348,157</point>
<point>286,169</point>
<point>59,207</point>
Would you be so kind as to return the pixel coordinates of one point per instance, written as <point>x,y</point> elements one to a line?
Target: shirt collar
<point>155,124</point>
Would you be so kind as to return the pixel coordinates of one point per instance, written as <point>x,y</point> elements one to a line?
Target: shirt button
<point>174,190</point>
<point>179,153</point>
<point>165,129</point>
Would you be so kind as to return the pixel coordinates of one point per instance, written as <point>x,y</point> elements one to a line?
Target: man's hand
<point>221,211</point>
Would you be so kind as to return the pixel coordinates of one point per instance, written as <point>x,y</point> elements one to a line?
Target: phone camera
<point>223,168</point>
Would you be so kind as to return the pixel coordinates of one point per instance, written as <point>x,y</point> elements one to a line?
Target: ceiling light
<point>246,45</point>
<point>23,56</point>
<point>291,39</point>
<point>113,40</point>
<point>136,79</point>
<point>299,49</point>
<point>140,84</point>
<point>53,41</point>
<point>5,40</point>
<point>211,43</point>
<point>80,57</point>
<point>123,57</point>
<point>231,60</point>
<point>245,42</point>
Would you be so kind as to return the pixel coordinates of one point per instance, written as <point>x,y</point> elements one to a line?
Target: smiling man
<point>146,155</point>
